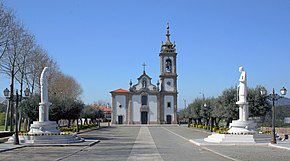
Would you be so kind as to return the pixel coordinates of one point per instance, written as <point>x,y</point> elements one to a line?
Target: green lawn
<point>2,127</point>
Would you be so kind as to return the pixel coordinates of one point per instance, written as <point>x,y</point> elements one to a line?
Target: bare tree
<point>10,60</point>
<point>28,44</point>
<point>35,65</point>
<point>64,87</point>
<point>5,20</point>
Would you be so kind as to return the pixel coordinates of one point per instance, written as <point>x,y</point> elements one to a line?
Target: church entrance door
<point>168,119</point>
<point>120,119</point>
<point>144,117</point>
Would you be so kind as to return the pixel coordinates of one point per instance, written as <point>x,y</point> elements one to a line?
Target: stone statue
<point>44,85</point>
<point>242,88</point>
<point>43,125</point>
<point>44,104</point>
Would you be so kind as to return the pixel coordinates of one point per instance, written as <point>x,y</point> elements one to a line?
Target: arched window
<point>168,65</point>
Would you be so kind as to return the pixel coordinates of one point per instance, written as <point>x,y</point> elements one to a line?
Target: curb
<point>19,147</point>
<point>89,130</point>
<point>51,145</point>
<point>196,129</point>
<point>4,139</point>
<point>277,146</point>
<point>63,145</point>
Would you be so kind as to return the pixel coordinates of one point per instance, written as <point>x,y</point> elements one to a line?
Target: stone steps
<point>229,138</point>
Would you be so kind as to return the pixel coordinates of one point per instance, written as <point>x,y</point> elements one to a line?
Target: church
<point>146,103</point>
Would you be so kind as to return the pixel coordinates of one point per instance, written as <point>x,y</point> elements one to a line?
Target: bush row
<point>215,129</point>
<point>74,128</point>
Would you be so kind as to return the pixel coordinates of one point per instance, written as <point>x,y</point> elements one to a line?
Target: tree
<point>6,18</point>
<point>64,86</point>
<point>218,112</point>
<point>183,113</point>
<point>36,64</point>
<point>68,109</point>
<point>258,104</point>
<point>195,110</point>
<point>29,109</point>
<point>228,101</point>
<point>91,112</point>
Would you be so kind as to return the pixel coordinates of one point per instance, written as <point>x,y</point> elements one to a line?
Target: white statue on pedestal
<point>242,98</point>
<point>44,104</point>
<point>43,125</point>
<point>242,125</point>
<point>242,88</point>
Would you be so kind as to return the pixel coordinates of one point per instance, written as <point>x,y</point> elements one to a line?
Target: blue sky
<point>103,44</point>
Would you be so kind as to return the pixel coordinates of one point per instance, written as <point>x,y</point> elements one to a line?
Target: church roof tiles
<point>120,91</point>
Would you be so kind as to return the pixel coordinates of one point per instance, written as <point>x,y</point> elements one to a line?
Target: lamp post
<point>274,97</point>
<point>11,100</point>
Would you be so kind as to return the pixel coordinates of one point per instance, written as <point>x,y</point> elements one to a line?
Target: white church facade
<point>146,103</point>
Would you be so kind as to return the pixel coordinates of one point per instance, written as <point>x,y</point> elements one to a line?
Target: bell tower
<point>168,80</point>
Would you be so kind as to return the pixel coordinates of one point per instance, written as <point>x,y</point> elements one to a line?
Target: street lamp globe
<point>263,92</point>
<point>283,91</point>
<point>26,92</point>
<point>6,92</point>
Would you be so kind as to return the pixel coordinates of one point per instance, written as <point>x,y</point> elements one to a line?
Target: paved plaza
<point>129,143</point>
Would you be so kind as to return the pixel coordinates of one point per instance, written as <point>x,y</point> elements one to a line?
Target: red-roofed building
<point>120,91</point>
<point>146,103</point>
<point>107,111</point>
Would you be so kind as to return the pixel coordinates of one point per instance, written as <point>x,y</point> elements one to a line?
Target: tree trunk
<point>81,122</point>
<point>25,125</point>
<point>6,115</point>
<point>199,121</point>
<point>217,121</point>
<point>78,128</point>
<point>11,102</point>
<point>229,120</point>
<point>28,123</point>
<point>19,121</point>
<point>194,121</point>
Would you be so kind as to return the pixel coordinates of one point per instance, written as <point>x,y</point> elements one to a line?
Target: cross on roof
<point>144,66</point>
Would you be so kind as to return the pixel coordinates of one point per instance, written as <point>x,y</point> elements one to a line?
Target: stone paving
<point>159,143</point>
<point>145,141</point>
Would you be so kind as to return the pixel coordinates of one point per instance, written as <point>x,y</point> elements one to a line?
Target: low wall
<point>278,130</point>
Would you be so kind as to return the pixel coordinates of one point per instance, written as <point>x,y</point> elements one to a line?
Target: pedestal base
<point>238,139</point>
<point>243,127</point>
<point>46,133</point>
<point>47,127</point>
<point>47,139</point>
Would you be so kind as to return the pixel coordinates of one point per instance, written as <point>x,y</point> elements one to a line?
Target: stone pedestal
<point>242,130</point>
<point>243,125</point>
<point>47,127</point>
<point>238,138</point>
<point>45,131</point>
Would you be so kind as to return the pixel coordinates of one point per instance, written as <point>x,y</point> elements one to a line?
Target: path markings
<point>144,148</point>
<point>204,148</point>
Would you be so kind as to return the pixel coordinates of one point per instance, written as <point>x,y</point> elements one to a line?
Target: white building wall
<point>136,103</point>
<point>121,100</point>
<point>169,111</point>
<point>152,108</point>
